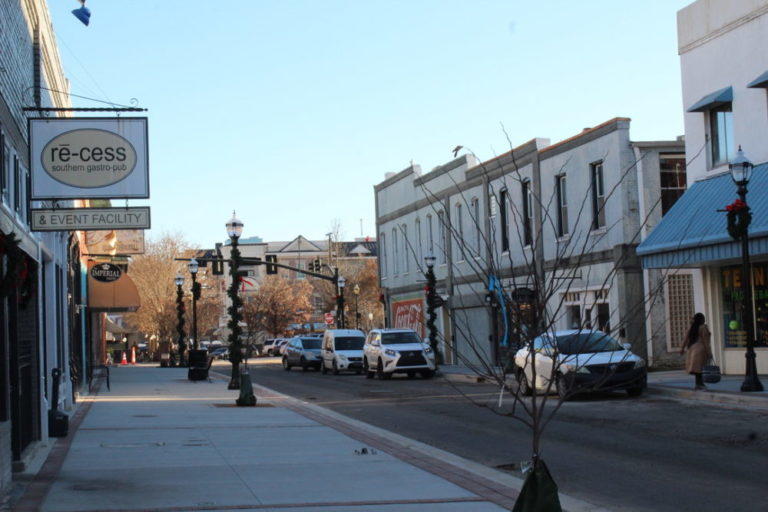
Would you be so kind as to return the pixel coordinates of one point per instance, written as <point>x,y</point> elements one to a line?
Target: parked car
<point>390,351</point>
<point>581,361</point>
<point>219,353</point>
<point>283,346</point>
<point>272,346</point>
<point>342,349</point>
<point>304,352</point>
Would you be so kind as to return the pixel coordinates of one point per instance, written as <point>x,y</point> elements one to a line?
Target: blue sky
<point>290,111</point>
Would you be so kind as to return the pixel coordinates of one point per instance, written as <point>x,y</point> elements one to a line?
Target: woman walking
<point>697,347</point>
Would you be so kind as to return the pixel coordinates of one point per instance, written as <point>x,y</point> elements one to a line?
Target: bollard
<point>246,398</point>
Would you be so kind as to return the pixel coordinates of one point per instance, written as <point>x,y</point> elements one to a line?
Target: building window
<point>680,308</point>
<point>430,236</point>
<point>16,184</point>
<point>460,230</point>
<point>419,241</point>
<point>504,220</point>
<point>443,249</point>
<point>4,155</point>
<point>598,196</point>
<point>395,254</point>
<point>478,230</point>
<point>673,179</point>
<point>407,249</point>
<point>527,213</point>
<point>721,134</point>
<point>562,205</point>
<point>735,334</point>
<point>383,252</point>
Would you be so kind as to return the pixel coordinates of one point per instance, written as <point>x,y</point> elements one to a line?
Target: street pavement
<point>159,442</point>
<point>646,454</point>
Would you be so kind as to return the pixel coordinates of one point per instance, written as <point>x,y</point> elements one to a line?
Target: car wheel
<point>380,371</point>
<point>411,374</point>
<point>427,374</point>
<point>323,369</point>
<point>522,382</point>
<point>335,368</point>
<point>635,391</point>
<point>368,373</point>
<point>564,391</point>
<point>286,366</point>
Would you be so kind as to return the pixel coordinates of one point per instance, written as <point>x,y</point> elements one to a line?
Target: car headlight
<point>390,352</point>
<point>640,363</point>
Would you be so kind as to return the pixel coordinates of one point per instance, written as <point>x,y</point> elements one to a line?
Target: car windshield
<point>349,343</point>
<point>587,342</point>
<point>395,338</point>
<point>310,342</point>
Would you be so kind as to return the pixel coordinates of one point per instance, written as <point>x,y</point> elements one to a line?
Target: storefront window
<point>735,335</point>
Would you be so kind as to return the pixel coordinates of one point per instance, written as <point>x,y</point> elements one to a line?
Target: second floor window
<point>16,184</point>
<point>407,249</point>
<point>476,220</point>
<point>527,213</point>
<point>419,242</point>
<point>395,254</point>
<point>672,178</point>
<point>443,249</point>
<point>430,236</point>
<point>721,134</point>
<point>383,252</point>
<point>562,205</point>
<point>460,230</point>
<point>503,217</point>
<point>598,196</point>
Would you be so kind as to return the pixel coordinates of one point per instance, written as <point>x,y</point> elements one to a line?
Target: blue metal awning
<point>761,81</point>
<point>712,100</point>
<point>694,233</point>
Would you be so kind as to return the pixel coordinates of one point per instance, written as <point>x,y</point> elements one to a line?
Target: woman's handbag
<point>710,373</point>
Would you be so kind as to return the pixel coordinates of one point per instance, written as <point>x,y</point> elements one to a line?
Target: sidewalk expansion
<point>158,442</point>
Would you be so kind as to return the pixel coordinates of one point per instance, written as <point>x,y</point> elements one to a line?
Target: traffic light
<point>271,269</point>
<point>217,266</point>
<point>315,265</point>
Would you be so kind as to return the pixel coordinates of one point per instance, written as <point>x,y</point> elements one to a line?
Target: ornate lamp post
<point>432,299</point>
<point>234,230</point>
<point>341,282</point>
<point>193,267</point>
<point>180,317</point>
<point>739,219</point>
<point>356,291</point>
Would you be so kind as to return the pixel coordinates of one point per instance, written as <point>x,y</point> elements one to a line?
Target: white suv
<point>389,351</point>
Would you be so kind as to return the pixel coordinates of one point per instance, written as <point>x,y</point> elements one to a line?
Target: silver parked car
<point>304,352</point>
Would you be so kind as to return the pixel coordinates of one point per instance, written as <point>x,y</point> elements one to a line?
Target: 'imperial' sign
<point>80,158</point>
<point>106,272</point>
<point>90,219</point>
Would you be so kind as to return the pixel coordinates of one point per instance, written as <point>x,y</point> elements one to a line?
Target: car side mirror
<point>627,346</point>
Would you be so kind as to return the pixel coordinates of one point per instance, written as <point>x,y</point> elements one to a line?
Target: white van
<point>342,350</point>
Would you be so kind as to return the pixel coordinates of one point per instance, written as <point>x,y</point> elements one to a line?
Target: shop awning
<point>693,232</point>
<point>760,82</point>
<point>115,297</point>
<point>712,100</point>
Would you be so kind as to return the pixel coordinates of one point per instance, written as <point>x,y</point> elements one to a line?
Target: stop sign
<point>329,318</point>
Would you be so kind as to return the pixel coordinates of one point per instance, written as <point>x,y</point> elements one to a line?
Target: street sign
<point>89,157</point>
<point>90,219</point>
<point>329,318</point>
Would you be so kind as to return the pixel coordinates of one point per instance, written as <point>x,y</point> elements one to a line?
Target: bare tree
<point>536,366</point>
<point>278,303</point>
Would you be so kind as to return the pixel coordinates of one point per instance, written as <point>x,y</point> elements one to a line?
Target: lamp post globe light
<point>180,317</point>
<point>193,267</point>
<point>342,321</point>
<point>739,219</point>
<point>356,291</point>
<point>234,231</point>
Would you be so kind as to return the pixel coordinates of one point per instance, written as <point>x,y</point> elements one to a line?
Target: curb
<point>741,401</point>
<point>458,465</point>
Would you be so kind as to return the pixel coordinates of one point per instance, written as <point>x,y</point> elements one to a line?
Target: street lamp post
<point>429,261</point>
<point>193,267</point>
<point>356,291</point>
<point>234,230</point>
<point>739,220</point>
<point>180,317</point>
<point>341,282</point>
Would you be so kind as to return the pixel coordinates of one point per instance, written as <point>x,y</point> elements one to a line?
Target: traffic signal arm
<point>258,261</point>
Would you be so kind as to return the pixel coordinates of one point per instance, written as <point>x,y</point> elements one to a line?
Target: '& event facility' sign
<point>90,219</point>
<point>89,157</point>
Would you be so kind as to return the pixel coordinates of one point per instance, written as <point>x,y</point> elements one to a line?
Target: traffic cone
<point>133,355</point>
<point>125,360</point>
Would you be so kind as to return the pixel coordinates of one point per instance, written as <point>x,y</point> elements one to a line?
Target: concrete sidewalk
<point>159,442</point>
